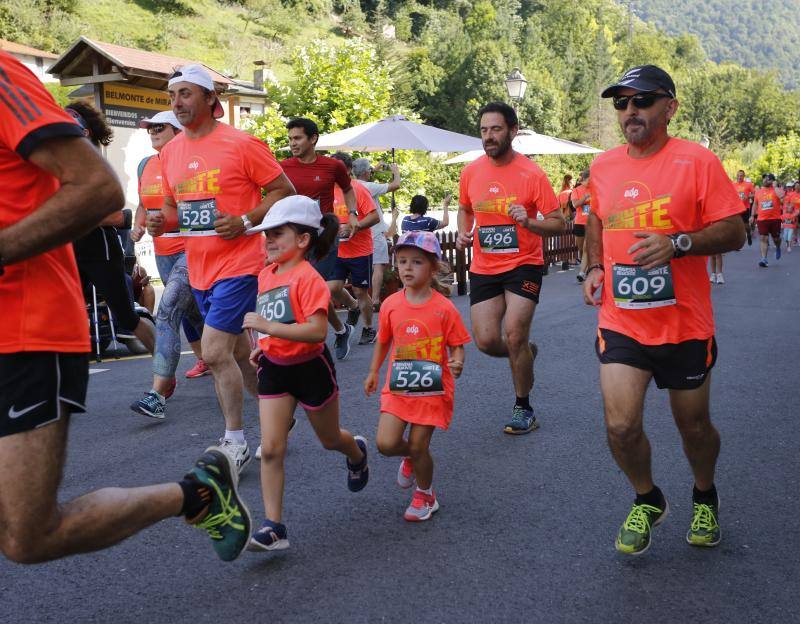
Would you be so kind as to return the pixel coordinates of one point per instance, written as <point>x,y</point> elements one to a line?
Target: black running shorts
<point>680,366</point>
<point>525,281</point>
<point>34,384</point>
<point>579,229</point>
<point>312,383</point>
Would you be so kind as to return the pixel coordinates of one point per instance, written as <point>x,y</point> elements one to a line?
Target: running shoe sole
<point>661,519</point>
<point>427,516</point>
<point>140,410</point>
<point>534,426</point>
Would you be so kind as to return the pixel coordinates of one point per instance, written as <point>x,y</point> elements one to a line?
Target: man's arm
<point>446,216</point>
<point>89,192</point>
<point>115,219</point>
<point>229,226</point>
<point>395,183</point>
<point>594,256</point>
<point>367,222</point>
<point>466,221</point>
<point>655,250</point>
<point>553,222</point>
<point>352,207</point>
<point>139,221</point>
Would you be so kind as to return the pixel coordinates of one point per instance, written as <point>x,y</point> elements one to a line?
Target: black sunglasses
<point>156,128</point>
<point>640,100</point>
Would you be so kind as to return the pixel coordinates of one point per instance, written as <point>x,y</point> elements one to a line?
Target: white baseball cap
<point>297,209</point>
<point>164,117</point>
<point>197,74</point>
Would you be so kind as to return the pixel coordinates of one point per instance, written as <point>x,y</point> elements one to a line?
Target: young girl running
<point>426,334</point>
<point>293,362</point>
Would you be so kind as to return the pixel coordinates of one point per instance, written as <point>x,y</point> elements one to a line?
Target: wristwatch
<point>681,244</point>
<point>247,223</point>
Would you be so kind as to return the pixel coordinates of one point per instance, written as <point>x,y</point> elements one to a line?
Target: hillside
<point>752,33</point>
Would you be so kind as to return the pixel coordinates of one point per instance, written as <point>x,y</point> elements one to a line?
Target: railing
<point>559,249</point>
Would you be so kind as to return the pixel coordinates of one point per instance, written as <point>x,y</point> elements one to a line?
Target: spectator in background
<point>564,197</point>
<point>362,171</point>
<point>418,221</point>
<point>581,201</point>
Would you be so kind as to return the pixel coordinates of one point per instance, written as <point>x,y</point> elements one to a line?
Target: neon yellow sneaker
<point>705,529</point>
<point>634,534</point>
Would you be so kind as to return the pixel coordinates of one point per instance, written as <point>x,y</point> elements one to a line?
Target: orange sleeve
<point>259,162</point>
<point>364,203</point>
<point>717,196</point>
<point>463,189</point>
<point>312,293</point>
<point>29,115</point>
<point>457,333</point>
<point>547,201</point>
<point>384,325</point>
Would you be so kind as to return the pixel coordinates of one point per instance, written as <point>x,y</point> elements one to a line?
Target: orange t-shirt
<point>229,168</point>
<point>745,190</point>
<point>768,204</point>
<point>563,197</point>
<point>151,196</point>
<point>488,191</point>
<point>789,219</point>
<point>40,298</point>
<point>792,198</point>
<point>681,188</point>
<point>290,297</point>
<point>581,212</point>
<point>418,371</point>
<point>360,244</point>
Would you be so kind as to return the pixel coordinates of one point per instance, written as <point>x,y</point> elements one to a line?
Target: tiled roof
<point>17,48</point>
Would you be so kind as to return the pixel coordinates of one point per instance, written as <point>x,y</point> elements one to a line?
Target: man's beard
<point>499,149</point>
<point>636,132</point>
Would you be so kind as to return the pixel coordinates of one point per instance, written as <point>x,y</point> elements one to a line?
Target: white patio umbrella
<point>530,142</point>
<point>397,132</point>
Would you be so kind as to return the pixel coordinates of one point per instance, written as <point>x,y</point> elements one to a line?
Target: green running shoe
<point>705,529</point>
<point>226,519</point>
<point>634,534</point>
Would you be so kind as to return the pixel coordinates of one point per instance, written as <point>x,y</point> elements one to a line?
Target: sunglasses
<point>640,100</point>
<point>156,128</point>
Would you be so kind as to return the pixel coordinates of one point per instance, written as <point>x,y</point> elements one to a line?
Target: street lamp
<point>516,85</point>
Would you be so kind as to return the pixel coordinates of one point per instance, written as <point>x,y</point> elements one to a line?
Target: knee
<point>623,433</point>
<point>21,546</point>
<point>417,448</point>
<point>273,450</point>
<point>696,428</point>
<point>331,443</point>
<point>516,340</point>
<point>487,342</point>
<point>386,445</point>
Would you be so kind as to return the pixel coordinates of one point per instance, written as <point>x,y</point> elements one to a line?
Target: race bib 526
<point>416,378</point>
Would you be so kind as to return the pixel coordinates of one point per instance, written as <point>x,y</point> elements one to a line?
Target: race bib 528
<point>196,217</point>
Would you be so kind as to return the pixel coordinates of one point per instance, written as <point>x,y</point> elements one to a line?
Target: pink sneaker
<point>198,370</point>
<point>405,474</point>
<point>422,507</point>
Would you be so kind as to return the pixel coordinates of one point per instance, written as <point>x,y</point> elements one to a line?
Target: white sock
<point>236,437</point>
<point>339,333</point>
<point>429,491</point>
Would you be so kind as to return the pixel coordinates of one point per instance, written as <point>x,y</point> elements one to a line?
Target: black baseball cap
<point>642,78</point>
<point>770,176</point>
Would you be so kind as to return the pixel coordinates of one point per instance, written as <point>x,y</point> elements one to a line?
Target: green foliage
<point>59,93</point>
<point>781,157</point>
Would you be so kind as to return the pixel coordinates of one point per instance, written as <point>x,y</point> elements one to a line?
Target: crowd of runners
<point>253,254</point>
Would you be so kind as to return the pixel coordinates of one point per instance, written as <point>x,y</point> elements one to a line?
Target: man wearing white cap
<point>177,305</point>
<point>213,178</point>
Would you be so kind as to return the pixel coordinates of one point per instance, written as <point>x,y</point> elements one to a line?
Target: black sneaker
<point>271,536</point>
<point>357,476</point>
<point>368,335</point>
<point>341,346</point>
<point>352,316</point>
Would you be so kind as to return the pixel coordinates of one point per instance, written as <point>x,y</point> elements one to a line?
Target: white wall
<point>37,65</point>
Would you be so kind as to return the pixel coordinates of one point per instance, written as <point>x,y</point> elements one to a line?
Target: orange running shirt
<point>229,167</point>
<point>682,188</point>
<point>563,197</point>
<point>420,334</point>
<point>151,196</point>
<point>290,297</point>
<point>360,244</point>
<point>581,214</point>
<point>40,298</point>
<point>745,190</point>
<point>768,204</point>
<point>488,192</point>
<point>789,219</point>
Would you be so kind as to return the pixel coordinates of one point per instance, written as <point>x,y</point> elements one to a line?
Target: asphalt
<point>526,527</point>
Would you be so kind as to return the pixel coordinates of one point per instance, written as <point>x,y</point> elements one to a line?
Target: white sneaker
<point>720,279</point>
<point>713,278</point>
<point>239,453</point>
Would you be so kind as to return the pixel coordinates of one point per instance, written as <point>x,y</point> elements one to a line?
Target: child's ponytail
<point>321,243</point>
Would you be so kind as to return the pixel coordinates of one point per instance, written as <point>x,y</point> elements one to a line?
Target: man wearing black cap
<point>660,205</point>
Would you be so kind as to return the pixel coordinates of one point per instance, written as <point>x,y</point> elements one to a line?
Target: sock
<point>523,402</point>
<point>429,491</point>
<point>709,497</point>
<point>339,333</point>
<point>654,498</point>
<point>235,436</point>
<point>196,496</point>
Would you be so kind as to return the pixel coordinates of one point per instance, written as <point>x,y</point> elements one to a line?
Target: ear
<point>303,240</point>
<point>672,108</point>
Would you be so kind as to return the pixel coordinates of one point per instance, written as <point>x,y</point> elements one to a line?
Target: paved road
<point>526,529</point>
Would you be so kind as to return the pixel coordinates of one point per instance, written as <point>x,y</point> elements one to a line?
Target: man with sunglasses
<point>218,183</point>
<point>177,306</point>
<point>660,206</point>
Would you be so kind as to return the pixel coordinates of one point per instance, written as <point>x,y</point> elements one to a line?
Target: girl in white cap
<point>293,361</point>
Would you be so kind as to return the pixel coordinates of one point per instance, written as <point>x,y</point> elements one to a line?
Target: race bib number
<point>275,305</point>
<point>498,238</point>
<point>196,217</point>
<point>741,195</point>
<point>416,378</point>
<point>766,205</point>
<point>636,288</point>
<point>586,209</point>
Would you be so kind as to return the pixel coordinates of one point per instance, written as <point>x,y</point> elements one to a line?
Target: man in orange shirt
<point>506,204</point>
<point>767,209</point>
<point>57,187</point>
<point>746,191</point>
<point>581,200</point>
<point>660,205</point>
<point>213,177</point>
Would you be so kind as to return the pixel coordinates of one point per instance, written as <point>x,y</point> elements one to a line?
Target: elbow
<point>107,193</point>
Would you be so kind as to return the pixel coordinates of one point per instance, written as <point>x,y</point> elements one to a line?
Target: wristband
<point>246,222</point>
<point>595,266</point>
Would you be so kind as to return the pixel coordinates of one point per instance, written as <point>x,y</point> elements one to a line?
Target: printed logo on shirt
<point>497,202</point>
<point>194,165</point>
<point>413,341</point>
<point>637,209</point>
<point>412,329</point>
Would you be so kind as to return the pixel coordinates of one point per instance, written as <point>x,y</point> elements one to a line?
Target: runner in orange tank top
<point>660,205</point>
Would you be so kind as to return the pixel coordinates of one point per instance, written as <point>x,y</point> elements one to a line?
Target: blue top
<point>427,224</point>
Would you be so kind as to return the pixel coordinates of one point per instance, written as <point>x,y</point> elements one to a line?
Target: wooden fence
<point>559,249</point>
